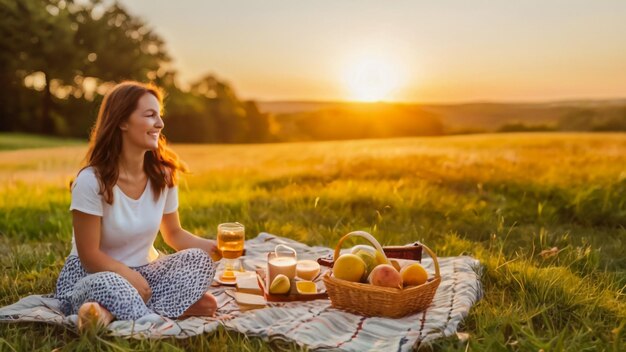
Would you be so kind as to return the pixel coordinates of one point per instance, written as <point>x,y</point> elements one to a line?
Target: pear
<point>280,285</point>
<point>370,262</point>
<point>380,258</point>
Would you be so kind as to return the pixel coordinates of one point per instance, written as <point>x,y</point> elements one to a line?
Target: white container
<point>281,263</point>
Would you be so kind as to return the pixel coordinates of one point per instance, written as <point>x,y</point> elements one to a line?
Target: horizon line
<point>451,102</point>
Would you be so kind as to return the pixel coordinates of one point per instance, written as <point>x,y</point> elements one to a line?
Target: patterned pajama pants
<point>177,281</point>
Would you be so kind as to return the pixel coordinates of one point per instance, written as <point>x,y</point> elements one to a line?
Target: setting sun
<point>371,79</point>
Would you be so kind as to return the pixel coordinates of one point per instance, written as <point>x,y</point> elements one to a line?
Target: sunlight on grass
<point>500,198</point>
<point>13,141</point>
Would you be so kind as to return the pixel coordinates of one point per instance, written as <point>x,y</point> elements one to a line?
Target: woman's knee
<point>109,276</point>
<point>196,263</point>
<point>196,255</point>
<point>105,282</point>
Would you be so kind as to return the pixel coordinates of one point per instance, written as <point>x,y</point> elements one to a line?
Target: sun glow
<point>371,79</point>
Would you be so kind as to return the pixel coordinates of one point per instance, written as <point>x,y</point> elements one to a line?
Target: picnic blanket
<point>314,324</point>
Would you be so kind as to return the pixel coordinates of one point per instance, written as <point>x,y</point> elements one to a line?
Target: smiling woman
<point>371,79</point>
<point>113,269</point>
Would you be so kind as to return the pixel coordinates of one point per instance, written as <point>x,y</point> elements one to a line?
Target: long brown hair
<point>105,143</point>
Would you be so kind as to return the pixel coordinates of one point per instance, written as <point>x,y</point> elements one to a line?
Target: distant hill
<point>487,116</point>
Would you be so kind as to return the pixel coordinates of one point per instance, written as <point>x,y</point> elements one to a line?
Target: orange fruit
<point>349,267</point>
<point>306,287</point>
<point>413,274</point>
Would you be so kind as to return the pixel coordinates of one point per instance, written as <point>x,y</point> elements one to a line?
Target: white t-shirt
<point>129,226</point>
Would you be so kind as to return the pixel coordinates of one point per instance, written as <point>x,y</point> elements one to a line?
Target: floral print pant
<point>177,281</point>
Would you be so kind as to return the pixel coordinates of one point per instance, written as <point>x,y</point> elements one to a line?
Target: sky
<point>400,50</point>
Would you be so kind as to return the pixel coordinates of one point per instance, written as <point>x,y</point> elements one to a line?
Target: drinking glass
<point>230,239</point>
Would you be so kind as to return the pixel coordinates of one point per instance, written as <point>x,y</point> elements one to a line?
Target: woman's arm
<point>178,238</point>
<point>87,232</point>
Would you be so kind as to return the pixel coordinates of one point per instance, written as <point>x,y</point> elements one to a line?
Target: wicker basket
<point>370,300</point>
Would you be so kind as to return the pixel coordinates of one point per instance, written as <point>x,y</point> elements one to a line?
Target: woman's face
<point>144,125</point>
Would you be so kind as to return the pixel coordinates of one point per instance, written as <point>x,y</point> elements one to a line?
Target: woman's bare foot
<point>205,306</point>
<point>92,315</point>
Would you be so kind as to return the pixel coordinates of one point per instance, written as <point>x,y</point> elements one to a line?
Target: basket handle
<point>434,257</point>
<point>363,234</point>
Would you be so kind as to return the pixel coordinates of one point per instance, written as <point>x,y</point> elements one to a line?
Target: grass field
<point>500,198</point>
<point>13,141</point>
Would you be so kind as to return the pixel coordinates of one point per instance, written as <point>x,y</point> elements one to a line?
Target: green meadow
<point>13,141</point>
<point>502,198</point>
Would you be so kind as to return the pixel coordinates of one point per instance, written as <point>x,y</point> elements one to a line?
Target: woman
<point>120,200</point>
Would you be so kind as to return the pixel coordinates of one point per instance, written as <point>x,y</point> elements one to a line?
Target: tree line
<point>59,57</point>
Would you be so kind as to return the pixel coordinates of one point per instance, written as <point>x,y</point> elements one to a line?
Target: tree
<point>258,123</point>
<point>34,39</point>
<point>577,120</point>
<point>117,46</point>
<point>222,106</point>
<point>68,44</point>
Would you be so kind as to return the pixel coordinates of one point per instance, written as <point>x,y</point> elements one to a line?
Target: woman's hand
<point>138,282</point>
<point>210,246</point>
